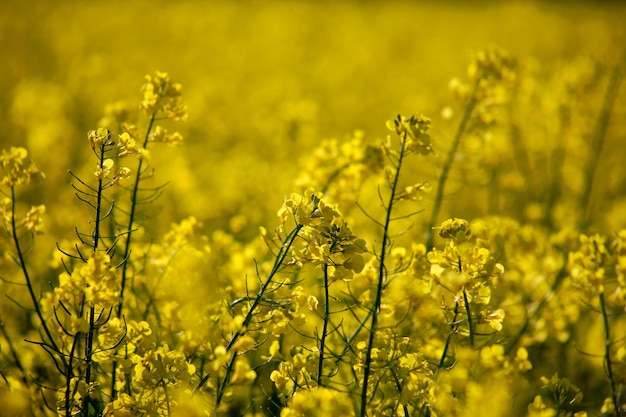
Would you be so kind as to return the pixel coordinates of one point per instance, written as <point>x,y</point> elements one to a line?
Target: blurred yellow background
<point>265,81</point>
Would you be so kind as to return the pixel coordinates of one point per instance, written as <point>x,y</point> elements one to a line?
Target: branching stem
<point>127,243</point>
<point>89,337</point>
<point>29,283</point>
<point>382,273</point>
<point>280,257</point>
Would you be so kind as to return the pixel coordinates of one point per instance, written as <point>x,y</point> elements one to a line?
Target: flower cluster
<point>564,397</point>
<point>340,168</point>
<point>95,283</point>
<point>493,64</point>
<point>127,145</point>
<point>32,220</point>
<point>588,264</point>
<point>414,130</point>
<point>328,238</point>
<point>162,96</point>
<point>318,401</point>
<point>100,141</point>
<point>463,264</point>
<point>17,169</point>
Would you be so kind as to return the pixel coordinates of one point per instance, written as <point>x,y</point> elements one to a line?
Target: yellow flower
<point>127,145</point>
<point>456,229</point>
<point>492,63</point>
<point>318,401</point>
<point>244,343</point>
<point>99,138</point>
<point>33,220</point>
<point>104,170</point>
<point>16,169</point>
<point>495,318</point>
<point>281,377</point>
<point>415,131</point>
<point>492,356</point>
<point>160,95</point>
<point>159,134</point>
<point>312,302</point>
<point>242,374</point>
<point>521,359</point>
<point>539,409</point>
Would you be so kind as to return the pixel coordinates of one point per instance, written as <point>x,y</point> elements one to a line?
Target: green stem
<point>29,284</point>
<point>68,380</point>
<point>444,355</point>
<point>469,318</point>
<point>445,171</point>
<point>131,217</point>
<point>381,280</point>
<point>556,160</point>
<point>597,145</point>
<point>89,337</point>
<point>282,254</point>
<point>531,316</point>
<point>16,358</point>
<point>607,356</point>
<point>127,243</point>
<point>320,364</point>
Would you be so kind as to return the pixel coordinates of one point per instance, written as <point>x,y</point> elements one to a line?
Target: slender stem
<point>520,154</point>
<point>255,303</point>
<point>282,254</point>
<point>425,409</point>
<point>598,143</point>
<point>557,158</point>
<point>16,358</point>
<point>127,243</point>
<point>89,337</point>
<point>22,264</point>
<point>29,284</point>
<point>444,355</point>
<point>68,380</point>
<point>131,217</point>
<point>607,356</point>
<point>396,379</point>
<point>558,280</point>
<point>469,317</point>
<point>167,397</point>
<point>320,364</point>
<point>445,171</point>
<point>381,280</point>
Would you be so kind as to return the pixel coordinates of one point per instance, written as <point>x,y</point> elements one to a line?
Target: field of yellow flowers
<point>312,208</point>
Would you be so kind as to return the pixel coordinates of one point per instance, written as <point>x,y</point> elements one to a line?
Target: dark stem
<point>444,355</point>
<point>469,317</point>
<point>282,254</point>
<point>89,337</point>
<point>131,218</point>
<point>127,243</point>
<point>16,358</point>
<point>29,284</point>
<point>68,380</point>
<point>607,356</point>
<point>320,364</point>
<point>381,280</point>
